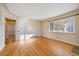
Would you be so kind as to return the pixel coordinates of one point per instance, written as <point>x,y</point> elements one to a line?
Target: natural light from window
<point>25,37</point>
<point>63,25</point>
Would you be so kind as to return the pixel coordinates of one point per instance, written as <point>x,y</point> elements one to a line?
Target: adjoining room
<point>39,29</point>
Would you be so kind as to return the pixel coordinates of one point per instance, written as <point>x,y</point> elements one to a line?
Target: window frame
<point>51,30</point>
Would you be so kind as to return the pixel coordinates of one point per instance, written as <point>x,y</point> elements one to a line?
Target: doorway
<point>10,30</point>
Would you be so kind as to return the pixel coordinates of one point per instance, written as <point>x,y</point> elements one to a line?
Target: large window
<point>62,25</point>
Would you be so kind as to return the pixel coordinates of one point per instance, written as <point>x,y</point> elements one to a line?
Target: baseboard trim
<point>61,41</point>
<point>36,36</point>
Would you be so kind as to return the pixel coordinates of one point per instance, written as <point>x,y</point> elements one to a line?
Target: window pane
<point>63,25</point>
<point>69,25</point>
<point>58,26</point>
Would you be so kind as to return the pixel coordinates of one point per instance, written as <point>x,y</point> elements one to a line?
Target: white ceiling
<point>40,10</point>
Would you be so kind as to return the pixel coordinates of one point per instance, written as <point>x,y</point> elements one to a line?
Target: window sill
<point>63,32</point>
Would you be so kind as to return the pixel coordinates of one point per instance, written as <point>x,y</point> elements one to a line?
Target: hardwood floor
<point>39,46</point>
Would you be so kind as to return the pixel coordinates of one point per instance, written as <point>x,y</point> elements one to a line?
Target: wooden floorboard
<point>39,46</point>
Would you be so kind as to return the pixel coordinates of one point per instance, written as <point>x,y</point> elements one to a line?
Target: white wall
<point>2,34</point>
<point>72,38</point>
<point>3,12</point>
<point>26,26</point>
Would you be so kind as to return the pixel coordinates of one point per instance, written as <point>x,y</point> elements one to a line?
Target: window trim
<point>64,31</point>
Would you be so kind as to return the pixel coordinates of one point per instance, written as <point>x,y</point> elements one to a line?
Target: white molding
<point>2,47</point>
